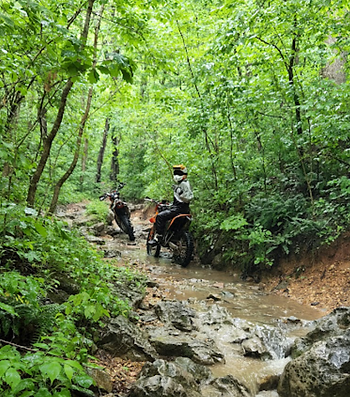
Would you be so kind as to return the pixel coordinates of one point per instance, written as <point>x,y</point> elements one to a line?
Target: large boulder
<point>165,379</point>
<point>323,369</point>
<point>227,386</point>
<point>124,339</point>
<point>333,324</point>
<point>175,313</point>
<point>184,378</point>
<point>169,342</point>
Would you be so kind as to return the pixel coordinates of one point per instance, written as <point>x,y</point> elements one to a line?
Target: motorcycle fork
<point>167,239</point>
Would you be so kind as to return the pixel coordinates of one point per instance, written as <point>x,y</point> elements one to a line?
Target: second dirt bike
<point>176,238</point>
<point>120,211</point>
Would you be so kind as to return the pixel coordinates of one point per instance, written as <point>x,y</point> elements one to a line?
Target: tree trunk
<point>12,113</point>
<point>83,162</point>
<point>102,151</point>
<point>71,168</point>
<point>85,116</point>
<point>115,160</point>
<point>47,143</point>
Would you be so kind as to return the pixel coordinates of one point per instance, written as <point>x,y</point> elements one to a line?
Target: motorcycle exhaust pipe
<point>172,245</point>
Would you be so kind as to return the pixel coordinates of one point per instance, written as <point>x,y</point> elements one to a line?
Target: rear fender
<point>180,221</point>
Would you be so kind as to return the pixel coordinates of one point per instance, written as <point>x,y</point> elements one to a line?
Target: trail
<point>203,287</point>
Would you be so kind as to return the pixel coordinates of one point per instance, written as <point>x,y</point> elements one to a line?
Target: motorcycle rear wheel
<point>182,254</point>
<point>125,224</point>
<point>152,250</point>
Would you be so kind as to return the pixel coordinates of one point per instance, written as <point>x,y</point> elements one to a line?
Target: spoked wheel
<point>126,226</point>
<point>183,249</point>
<point>152,250</point>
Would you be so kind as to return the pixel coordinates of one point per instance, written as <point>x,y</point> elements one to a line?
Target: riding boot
<point>156,240</point>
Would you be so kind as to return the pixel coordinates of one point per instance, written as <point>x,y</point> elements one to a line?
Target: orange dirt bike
<point>176,238</point>
<point>120,210</point>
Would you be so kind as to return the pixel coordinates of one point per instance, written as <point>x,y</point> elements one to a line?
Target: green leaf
<point>43,393</point>
<point>69,371</point>
<point>51,369</point>
<point>93,76</point>
<point>27,384</point>
<point>84,380</point>
<point>62,393</point>
<point>4,365</point>
<point>27,393</point>
<point>12,377</point>
<point>233,222</point>
<point>8,309</point>
<point>40,229</point>
<point>74,364</point>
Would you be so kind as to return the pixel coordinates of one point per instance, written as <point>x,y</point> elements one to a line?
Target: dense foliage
<point>55,291</point>
<point>253,96</point>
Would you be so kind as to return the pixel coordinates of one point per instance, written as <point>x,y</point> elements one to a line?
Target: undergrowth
<point>45,343</point>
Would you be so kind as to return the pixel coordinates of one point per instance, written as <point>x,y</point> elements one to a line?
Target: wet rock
<point>124,339</point>
<point>323,370</point>
<point>95,240</point>
<point>111,253</point>
<point>152,283</point>
<point>172,343</point>
<point>175,313</point>
<point>98,229</point>
<point>165,379</point>
<point>331,325</point>
<point>269,382</point>
<point>147,317</point>
<point>110,217</point>
<point>214,297</point>
<point>274,340</point>
<point>227,386</point>
<point>130,292</point>
<point>111,231</point>
<point>81,220</point>
<point>227,294</point>
<point>254,347</point>
<point>200,372</point>
<point>293,320</point>
<point>216,315</point>
<point>101,378</point>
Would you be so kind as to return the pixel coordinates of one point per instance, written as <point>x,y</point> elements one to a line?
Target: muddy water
<point>243,300</point>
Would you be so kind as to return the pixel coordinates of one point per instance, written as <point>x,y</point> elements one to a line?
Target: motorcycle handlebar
<point>156,201</point>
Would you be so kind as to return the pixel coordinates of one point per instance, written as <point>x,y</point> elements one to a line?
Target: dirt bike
<point>176,238</point>
<point>120,210</point>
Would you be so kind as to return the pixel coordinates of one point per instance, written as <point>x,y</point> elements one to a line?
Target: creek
<point>244,301</point>
<point>250,308</point>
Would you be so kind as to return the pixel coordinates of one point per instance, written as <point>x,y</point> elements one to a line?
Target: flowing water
<point>243,300</point>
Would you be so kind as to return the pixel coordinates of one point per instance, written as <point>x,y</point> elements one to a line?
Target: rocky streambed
<point>204,333</point>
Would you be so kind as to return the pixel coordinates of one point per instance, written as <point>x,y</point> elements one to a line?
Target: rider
<point>182,197</point>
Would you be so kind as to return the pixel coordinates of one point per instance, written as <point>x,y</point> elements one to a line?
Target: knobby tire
<point>185,249</point>
<point>125,224</point>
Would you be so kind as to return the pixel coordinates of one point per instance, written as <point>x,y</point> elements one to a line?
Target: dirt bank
<point>320,279</point>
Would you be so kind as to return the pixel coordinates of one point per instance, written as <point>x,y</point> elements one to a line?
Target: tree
<point>102,151</point>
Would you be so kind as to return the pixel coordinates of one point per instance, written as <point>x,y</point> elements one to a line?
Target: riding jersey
<point>183,192</point>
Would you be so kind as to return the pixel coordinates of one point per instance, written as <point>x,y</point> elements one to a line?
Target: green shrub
<point>98,210</point>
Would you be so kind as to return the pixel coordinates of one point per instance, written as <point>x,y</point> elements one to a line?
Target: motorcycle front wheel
<point>125,224</point>
<point>183,250</point>
<point>152,250</point>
